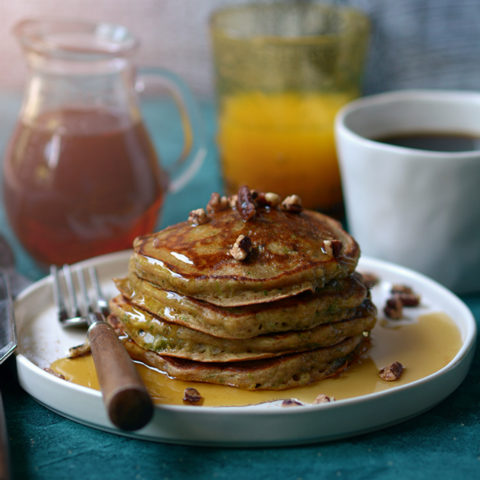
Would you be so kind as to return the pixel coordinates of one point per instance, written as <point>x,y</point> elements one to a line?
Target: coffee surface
<point>438,142</point>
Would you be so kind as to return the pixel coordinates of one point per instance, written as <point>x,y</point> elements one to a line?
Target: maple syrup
<point>423,346</point>
<point>80,183</point>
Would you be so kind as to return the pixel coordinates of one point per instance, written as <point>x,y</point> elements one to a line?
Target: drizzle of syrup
<point>423,346</point>
<point>287,244</point>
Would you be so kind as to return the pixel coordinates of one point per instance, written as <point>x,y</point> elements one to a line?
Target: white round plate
<point>42,340</point>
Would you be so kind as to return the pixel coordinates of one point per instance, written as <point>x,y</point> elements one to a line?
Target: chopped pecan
<point>192,396</point>
<point>241,248</point>
<point>259,199</point>
<point>369,279</point>
<point>332,247</point>
<point>322,398</point>
<point>79,350</point>
<point>292,204</point>
<point>115,323</point>
<point>245,203</point>
<point>273,199</point>
<point>409,299</point>
<point>399,288</point>
<point>391,372</point>
<point>198,217</point>
<point>291,402</point>
<point>393,308</point>
<point>53,372</point>
<point>217,203</point>
<point>406,295</point>
<point>232,201</point>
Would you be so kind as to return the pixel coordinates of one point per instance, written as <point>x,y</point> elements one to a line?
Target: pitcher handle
<point>194,147</point>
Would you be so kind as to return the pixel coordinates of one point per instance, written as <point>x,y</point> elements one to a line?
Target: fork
<point>126,399</point>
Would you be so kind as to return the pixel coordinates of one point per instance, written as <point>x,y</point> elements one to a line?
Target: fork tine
<point>102,303</point>
<point>83,287</point>
<point>57,295</point>
<point>75,310</point>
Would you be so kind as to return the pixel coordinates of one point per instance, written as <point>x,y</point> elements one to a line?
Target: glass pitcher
<point>81,176</point>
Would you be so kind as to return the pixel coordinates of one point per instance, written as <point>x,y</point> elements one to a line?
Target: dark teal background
<point>443,443</point>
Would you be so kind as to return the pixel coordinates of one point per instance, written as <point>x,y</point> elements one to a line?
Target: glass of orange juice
<point>282,72</point>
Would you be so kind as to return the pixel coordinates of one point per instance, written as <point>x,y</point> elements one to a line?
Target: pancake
<point>279,373</point>
<point>288,256</point>
<point>337,301</point>
<point>253,292</point>
<point>154,334</point>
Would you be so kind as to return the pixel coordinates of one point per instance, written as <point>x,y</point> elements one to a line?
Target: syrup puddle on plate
<point>423,346</point>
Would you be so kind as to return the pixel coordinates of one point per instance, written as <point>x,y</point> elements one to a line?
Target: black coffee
<point>438,142</point>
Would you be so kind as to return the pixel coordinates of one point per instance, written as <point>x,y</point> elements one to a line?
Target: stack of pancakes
<point>254,294</point>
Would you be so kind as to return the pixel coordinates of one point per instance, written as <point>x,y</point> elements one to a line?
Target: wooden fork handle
<point>126,399</point>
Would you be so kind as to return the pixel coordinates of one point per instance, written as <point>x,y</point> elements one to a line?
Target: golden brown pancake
<point>277,373</point>
<point>154,334</point>
<point>288,256</point>
<point>337,301</point>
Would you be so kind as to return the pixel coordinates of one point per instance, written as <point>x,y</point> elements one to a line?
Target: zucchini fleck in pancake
<point>165,338</point>
<point>337,301</point>
<point>289,252</point>
<point>253,292</point>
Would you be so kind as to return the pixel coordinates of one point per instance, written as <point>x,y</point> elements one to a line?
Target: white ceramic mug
<point>417,208</point>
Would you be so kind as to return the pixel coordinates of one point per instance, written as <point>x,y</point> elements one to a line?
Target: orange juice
<point>283,143</point>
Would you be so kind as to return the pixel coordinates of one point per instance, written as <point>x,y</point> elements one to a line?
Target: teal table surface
<point>442,443</point>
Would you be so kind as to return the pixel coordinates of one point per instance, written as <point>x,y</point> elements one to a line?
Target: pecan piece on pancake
<point>245,203</point>
<point>393,308</point>
<point>232,201</point>
<point>332,247</point>
<point>273,199</point>
<point>322,398</point>
<point>241,248</point>
<point>291,402</point>
<point>192,396</point>
<point>198,217</point>
<point>391,372</point>
<point>292,204</point>
<point>217,203</point>
<point>259,199</point>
